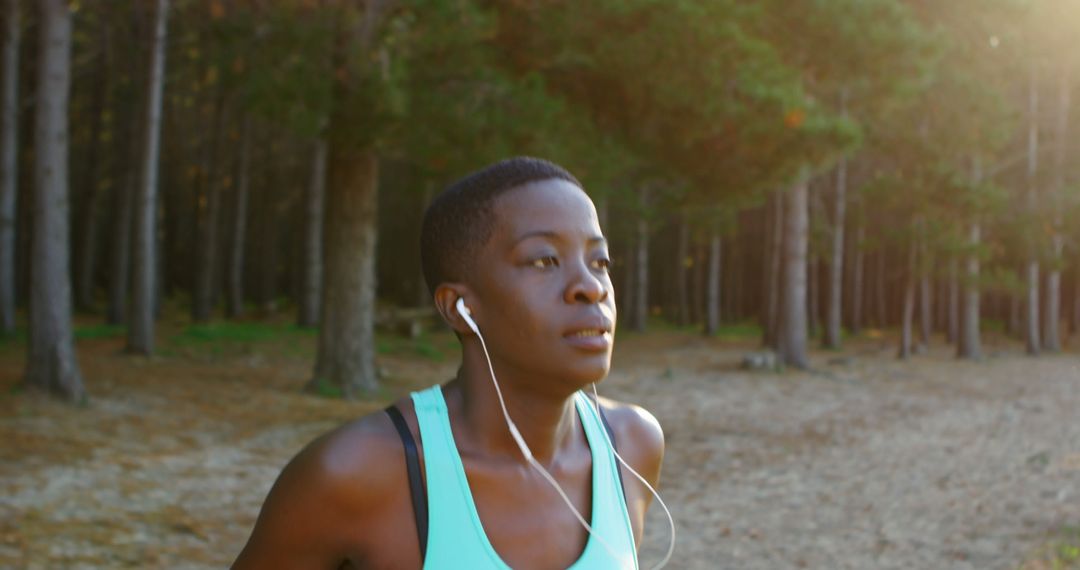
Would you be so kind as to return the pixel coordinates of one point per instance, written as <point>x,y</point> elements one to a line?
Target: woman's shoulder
<point>637,432</point>
<point>338,485</point>
<point>355,461</point>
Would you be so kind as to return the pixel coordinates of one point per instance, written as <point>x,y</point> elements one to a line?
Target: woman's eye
<point>603,263</point>
<point>545,262</point>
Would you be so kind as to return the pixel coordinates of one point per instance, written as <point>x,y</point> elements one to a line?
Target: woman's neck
<point>548,422</point>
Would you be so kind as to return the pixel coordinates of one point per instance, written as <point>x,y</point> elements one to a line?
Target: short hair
<point>461,219</point>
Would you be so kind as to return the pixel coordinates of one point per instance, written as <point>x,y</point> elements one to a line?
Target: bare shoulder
<point>638,435</point>
<point>335,486</point>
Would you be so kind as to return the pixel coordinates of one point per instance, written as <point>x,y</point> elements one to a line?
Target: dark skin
<point>541,294</point>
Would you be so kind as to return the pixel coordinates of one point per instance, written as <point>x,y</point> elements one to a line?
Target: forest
<point>816,169</point>
<point>209,255</point>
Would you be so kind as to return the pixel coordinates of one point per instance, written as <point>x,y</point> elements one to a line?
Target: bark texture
<point>313,231</point>
<point>51,365</point>
<point>234,305</point>
<point>712,288</point>
<point>641,277</point>
<point>836,261</point>
<point>908,313</point>
<point>926,306</point>
<point>969,342</point>
<point>208,230</point>
<point>857,280</point>
<point>792,337</point>
<point>681,270</point>
<point>1031,328</point>
<point>9,176</point>
<point>141,320</point>
<point>773,267</point>
<point>952,324</point>
<point>87,242</point>
<point>346,351</point>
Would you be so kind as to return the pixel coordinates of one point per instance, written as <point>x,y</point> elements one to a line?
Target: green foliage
<point>739,331</point>
<point>322,388</point>
<point>228,331</point>
<point>100,331</point>
<point>427,347</point>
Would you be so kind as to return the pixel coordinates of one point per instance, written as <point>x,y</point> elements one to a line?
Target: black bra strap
<point>611,436</point>
<point>416,483</point>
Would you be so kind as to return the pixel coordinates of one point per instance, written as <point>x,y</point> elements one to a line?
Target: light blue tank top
<point>456,538</point>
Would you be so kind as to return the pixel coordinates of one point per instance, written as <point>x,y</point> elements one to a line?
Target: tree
<point>91,186</point>
<point>1031,329</point>
<point>792,331</point>
<point>141,319</point>
<point>51,363</point>
<point>346,346</point>
<point>235,275</point>
<point>313,243</point>
<point>9,179</point>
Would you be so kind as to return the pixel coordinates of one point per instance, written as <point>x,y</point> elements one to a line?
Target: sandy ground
<point>866,463</point>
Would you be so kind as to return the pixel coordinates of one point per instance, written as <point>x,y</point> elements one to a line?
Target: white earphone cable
<point>671,520</point>
<point>524,447</point>
<point>528,453</point>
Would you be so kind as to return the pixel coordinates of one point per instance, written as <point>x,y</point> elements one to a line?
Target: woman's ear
<point>446,297</point>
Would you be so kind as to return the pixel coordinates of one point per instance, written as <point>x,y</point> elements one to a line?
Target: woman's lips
<point>592,340</point>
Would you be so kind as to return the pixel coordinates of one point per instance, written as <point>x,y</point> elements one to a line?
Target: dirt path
<point>869,463</point>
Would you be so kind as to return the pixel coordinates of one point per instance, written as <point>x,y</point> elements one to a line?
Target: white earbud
<point>466,314</point>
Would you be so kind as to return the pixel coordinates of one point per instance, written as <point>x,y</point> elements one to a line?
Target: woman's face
<point>544,296</point>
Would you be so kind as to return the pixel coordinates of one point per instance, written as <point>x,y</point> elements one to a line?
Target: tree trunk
<point>926,303</point>
<point>266,266</point>
<point>9,176</point>
<point>346,352</point>
<point>908,313</point>
<point>712,290</point>
<point>51,365</point>
<point>313,255</point>
<point>1052,306</point>
<point>857,281</point>
<point>641,264</point>
<point>1015,315</point>
<point>629,291</point>
<point>87,242</point>
<point>424,297</point>
<point>879,291</point>
<point>1076,301</point>
<point>123,206</point>
<point>682,267</point>
<point>141,321</point>
<point>1032,320</point>
<point>209,204</point>
<point>969,344</point>
<point>235,300</point>
<point>792,334</point>
<point>733,308</point>
<point>774,256</point>
<point>1052,318</point>
<point>698,277</point>
<point>836,262</point>
<point>813,294</point>
<point>952,291</point>
<point>127,150</point>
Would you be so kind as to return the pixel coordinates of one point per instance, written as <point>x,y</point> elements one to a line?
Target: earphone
<point>466,314</point>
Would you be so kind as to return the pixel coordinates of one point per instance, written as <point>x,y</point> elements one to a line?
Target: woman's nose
<point>586,287</point>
